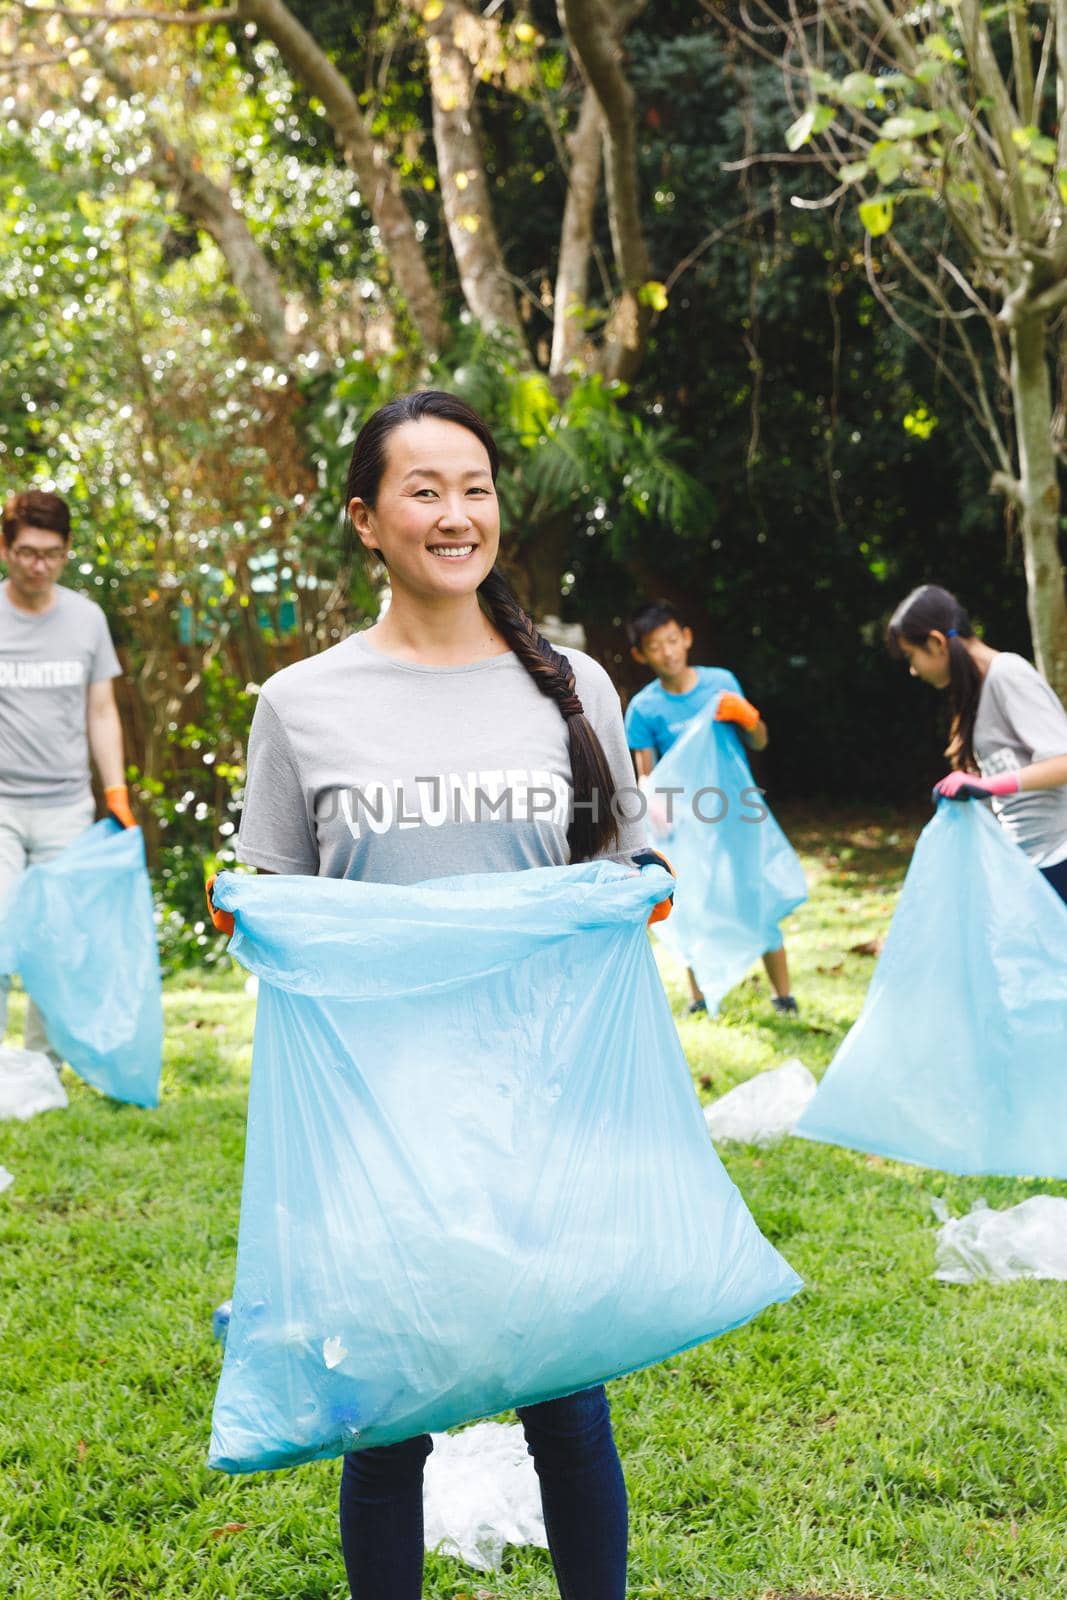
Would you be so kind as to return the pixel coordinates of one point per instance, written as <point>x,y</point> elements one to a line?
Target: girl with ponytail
<point>448,738</point>
<point>1008,736</point>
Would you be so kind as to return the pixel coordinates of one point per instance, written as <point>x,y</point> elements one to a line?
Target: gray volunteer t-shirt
<point>47,662</point>
<point>1020,720</point>
<point>360,766</point>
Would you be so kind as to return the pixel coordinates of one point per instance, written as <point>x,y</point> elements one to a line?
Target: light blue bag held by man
<point>80,932</point>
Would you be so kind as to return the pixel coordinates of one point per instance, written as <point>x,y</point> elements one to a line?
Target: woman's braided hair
<point>593,826</point>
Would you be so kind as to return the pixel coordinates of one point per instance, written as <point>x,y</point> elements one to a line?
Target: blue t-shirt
<point>655,718</point>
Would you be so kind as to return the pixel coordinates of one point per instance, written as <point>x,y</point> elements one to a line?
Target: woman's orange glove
<point>653,858</point>
<point>117,801</point>
<point>223,920</point>
<point>735,708</point>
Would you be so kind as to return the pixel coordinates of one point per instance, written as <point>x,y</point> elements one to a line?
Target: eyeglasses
<point>28,555</point>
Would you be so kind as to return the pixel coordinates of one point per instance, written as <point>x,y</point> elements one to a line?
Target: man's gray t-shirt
<point>48,659</point>
<point>1020,720</point>
<point>361,766</point>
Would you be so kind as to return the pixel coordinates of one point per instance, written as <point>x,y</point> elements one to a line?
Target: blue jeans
<point>582,1493</point>
<point>1057,876</point>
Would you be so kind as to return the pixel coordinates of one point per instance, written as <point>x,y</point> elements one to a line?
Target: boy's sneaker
<point>785,1005</point>
<point>695,1007</point>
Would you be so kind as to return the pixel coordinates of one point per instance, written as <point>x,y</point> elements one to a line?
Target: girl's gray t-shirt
<point>1020,720</point>
<point>361,766</point>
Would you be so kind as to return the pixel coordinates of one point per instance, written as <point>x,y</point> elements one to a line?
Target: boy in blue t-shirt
<point>658,713</point>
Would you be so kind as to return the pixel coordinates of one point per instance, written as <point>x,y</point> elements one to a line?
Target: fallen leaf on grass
<point>706,1080</point>
<point>228,1527</point>
<point>830,972</point>
<point>869,947</point>
<point>82,1452</point>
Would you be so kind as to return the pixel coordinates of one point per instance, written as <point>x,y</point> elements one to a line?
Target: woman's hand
<point>222,920</point>
<point>969,786</point>
<point>652,858</point>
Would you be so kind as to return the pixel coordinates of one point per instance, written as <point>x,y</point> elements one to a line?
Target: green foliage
<point>881,1435</point>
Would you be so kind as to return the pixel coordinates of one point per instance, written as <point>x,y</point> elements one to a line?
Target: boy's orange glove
<point>117,801</point>
<point>653,858</point>
<point>735,708</point>
<point>223,920</point>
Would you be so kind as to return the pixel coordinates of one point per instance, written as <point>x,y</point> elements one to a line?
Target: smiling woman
<point>440,742</point>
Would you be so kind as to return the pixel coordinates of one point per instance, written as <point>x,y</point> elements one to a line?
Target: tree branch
<point>378,183</point>
<point>209,206</point>
<point>181,19</point>
<point>1022,62</point>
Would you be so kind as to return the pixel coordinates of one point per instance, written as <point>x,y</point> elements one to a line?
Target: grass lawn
<point>881,1435</point>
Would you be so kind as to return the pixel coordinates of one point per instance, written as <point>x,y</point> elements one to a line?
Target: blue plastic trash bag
<point>476,1173</point>
<point>959,1057</point>
<point>738,875</point>
<point>80,932</point>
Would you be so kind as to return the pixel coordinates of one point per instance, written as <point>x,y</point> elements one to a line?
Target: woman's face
<point>437,517</point>
<point>928,661</point>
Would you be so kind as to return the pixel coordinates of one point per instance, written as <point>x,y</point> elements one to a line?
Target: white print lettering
<point>512,794</point>
<point>41,674</point>
<point>500,795</point>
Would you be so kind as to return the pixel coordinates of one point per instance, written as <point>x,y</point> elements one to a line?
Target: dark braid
<point>915,619</point>
<point>593,827</point>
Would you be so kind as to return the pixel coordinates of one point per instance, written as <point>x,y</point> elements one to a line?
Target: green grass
<point>881,1435</point>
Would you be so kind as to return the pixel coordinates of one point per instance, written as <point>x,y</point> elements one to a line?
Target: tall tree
<point>962,111</point>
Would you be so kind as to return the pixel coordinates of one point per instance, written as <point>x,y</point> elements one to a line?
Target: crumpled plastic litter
<point>6,1179</point>
<point>765,1107</point>
<point>474,1156</point>
<point>80,932</point>
<point>738,876</point>
<point>481,1493</point>
<point>1025,1241</point>
<point>29,1083</point>
<point>220,1320</point>
<point>959,1057</point>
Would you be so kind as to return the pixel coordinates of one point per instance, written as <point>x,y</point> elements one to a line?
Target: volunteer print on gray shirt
<point>360,766</point>
<point>48,659</point>
<point>1020,721</point>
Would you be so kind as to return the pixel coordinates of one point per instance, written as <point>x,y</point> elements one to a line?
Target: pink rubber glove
<point>968,786</point>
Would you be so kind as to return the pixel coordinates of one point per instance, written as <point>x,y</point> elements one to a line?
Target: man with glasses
<point>57,704</point>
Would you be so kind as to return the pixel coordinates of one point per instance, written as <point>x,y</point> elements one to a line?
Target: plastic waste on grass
<point>220,1320</point>
<point>474,1156</point>
<point>738,875</point>
<point>29,1083</point>
<point>80,933</point>
<point>6,1179</point>
<point>481,1493</point>
<point>959,1057</point>
<point>1025,1241</point>
<point>765,1107</point>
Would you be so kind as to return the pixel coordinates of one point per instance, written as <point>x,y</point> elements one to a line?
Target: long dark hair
<point>593,827</point>
<point>915,619</point>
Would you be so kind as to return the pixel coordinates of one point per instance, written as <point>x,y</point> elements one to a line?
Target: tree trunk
<point>468,208</point>
<point>378,183</point>
<point>593,32</point>
<point>1039,494</point>
<point>576,235</point>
